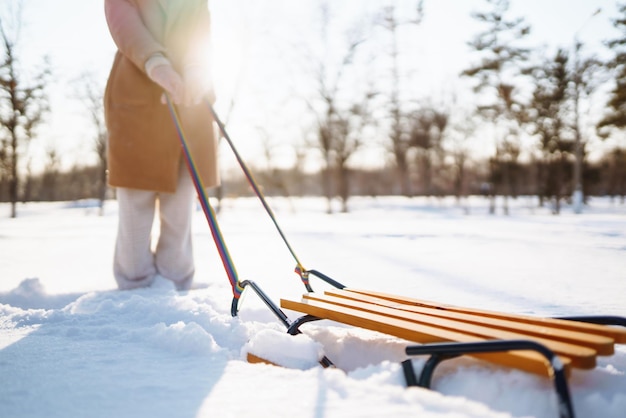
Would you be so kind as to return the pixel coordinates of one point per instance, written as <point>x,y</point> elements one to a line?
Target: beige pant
<point>137,260</point>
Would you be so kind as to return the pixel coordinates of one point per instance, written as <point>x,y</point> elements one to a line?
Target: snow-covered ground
<point>71,345</point>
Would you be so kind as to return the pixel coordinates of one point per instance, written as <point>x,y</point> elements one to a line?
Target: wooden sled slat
<point>617,334</point>
<point>581,357</point>
<point>417,332</point>
<point>603,345</point>
<point>254,359</point>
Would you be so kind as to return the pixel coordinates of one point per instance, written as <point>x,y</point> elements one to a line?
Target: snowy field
<point>71,345</point>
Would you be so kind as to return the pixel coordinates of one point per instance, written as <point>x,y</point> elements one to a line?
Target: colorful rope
<point>209,213</point>
<point>300,270</point>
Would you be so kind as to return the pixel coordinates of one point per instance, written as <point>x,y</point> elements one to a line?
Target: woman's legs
<point>174,251</point>
<point>133,262</point>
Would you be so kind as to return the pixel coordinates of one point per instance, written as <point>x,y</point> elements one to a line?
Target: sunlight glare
<point>229,62</point>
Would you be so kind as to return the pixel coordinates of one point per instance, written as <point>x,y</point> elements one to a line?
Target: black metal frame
<point>440,352</point>
<point>326,278</point>
<point>234,307</point>
<point>597,319</point>
<point>292,328</point>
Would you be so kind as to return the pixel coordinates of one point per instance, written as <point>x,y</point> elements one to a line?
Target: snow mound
<point>31,294</point>
<point>292,351</point>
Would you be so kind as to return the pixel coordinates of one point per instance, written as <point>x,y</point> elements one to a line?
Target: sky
<point>250,64</point>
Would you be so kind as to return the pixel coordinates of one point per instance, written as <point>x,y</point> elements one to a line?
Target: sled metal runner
<point>546,346</point>
<point>445,351</point>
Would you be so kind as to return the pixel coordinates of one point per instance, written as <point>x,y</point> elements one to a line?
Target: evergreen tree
<point>614,174</point>
<point>496,75</point>
<point>427,129</point>
<point>547,118</point>
<point>616,118</point>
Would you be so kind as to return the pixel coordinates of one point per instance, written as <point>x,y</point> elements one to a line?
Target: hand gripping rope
<point>237,285</point>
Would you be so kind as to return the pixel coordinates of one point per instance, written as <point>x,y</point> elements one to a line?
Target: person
<point>162,52</point>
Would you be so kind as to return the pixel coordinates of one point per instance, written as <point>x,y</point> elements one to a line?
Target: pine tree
<point>496,75</point>
<point>547,118</point>
<point>616,118</point>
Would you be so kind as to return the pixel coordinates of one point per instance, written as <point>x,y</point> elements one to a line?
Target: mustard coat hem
<point>144,150</point>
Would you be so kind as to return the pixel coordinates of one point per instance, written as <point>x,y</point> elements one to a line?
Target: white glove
<point>160,70</point>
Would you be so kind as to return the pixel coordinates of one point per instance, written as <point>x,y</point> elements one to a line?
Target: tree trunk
<point>13,180</point>
<point>344,187</point>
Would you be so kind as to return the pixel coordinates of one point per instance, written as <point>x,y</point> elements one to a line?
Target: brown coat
<point>144,151</point>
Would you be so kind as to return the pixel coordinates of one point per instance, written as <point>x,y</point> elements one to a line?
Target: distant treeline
<point>604,178</point>
<point>78,183</point>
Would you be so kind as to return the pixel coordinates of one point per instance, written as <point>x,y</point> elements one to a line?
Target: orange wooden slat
<point>617,334</point>
<point>582,357</point>
<point>411,331</point>
<point>603,345</point>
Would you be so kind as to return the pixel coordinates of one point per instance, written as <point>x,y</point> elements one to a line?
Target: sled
<point>576,343</point>
<point>550,347</point>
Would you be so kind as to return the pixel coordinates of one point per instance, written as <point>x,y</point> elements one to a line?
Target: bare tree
<point>297,175</point>
<point>460,157</point>
<point>90,93</point>
<point>50,176</point>
<point>273,176</point>
<point>27,183</point>
<point>400,141</point>
<point>349,134</point>
<point>463,126</point>
<point>22,106</point>
<point>338,122</point>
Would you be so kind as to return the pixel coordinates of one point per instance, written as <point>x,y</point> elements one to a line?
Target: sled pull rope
<point>300,270</point>
<point>220,244</point>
